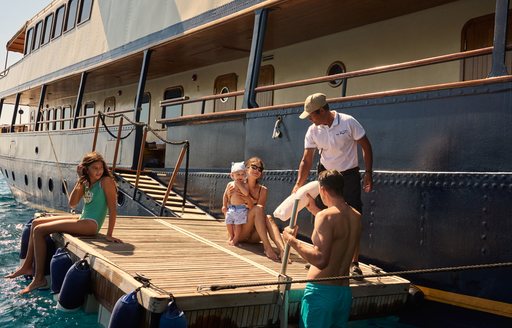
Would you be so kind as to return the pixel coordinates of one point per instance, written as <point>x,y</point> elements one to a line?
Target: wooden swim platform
<point>180,254</point>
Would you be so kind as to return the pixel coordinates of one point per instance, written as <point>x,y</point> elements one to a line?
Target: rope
<point>377,275</point>
<point>102,118</point>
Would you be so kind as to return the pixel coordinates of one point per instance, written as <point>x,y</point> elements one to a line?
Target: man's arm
<point>320,253</point>
<point>368,163</point>
<point>304,167</point>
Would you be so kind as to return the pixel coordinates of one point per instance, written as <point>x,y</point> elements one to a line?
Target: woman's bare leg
<point>70,225</point>
<point>261,228</point>
<point>26,268</point>
<point>275,235</point>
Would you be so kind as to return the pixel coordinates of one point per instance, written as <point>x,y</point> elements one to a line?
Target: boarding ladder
<point>154,191</point>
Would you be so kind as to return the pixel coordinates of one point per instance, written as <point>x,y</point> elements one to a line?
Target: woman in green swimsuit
<point>97,187</point>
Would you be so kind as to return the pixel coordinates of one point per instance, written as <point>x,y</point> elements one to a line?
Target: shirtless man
<point>335,236</point>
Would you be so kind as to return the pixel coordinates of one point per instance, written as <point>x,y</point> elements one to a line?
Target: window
<point>71,15</point>
<point>28,42</point>
<point>109,106</point>
<point>47,32</point>
<point>145,107</point>
<point>54,118</point>
<point>37,35</point>
<point>171,111</point>
<point>89,110</point>
<point>478,33</point>
<point>84,13</point>
<point>336,68</point>
<point>59,21</point>
<point>66,114</point>
<point>57,116</point>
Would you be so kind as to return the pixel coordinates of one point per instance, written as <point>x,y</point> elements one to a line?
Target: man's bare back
<point>337,229</point>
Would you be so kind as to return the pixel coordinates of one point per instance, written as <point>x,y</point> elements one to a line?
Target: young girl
<point>98,188</point>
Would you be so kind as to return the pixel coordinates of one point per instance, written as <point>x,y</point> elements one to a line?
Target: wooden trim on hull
<point>468,302</point>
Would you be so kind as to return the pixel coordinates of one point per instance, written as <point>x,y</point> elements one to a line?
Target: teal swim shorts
<point>325,306</point>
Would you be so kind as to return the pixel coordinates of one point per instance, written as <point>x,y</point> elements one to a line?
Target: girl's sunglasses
<point>256,167</point>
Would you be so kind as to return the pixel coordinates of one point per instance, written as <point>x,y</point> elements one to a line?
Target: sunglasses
<point>256,167</point>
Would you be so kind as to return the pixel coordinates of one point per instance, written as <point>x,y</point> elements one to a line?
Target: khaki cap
<point>313,102</point>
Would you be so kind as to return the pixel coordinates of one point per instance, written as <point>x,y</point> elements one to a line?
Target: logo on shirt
<point>339,133</point>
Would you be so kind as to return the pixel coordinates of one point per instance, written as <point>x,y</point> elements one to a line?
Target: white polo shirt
<point>337,143</point>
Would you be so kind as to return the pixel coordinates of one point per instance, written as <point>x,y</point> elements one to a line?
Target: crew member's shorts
<point>236,214</point>
<point>325,306</point>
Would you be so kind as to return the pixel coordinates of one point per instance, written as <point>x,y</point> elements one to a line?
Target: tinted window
<point>71,15</point>
<point>88,111</point>
<point>172,110</point>
<point>85,11</point>
<point>37,35</point>
<point>28,43</point>
<point>59,20</point>
<point>48,22</point>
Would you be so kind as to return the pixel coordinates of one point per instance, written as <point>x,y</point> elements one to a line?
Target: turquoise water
<point>37,309</point>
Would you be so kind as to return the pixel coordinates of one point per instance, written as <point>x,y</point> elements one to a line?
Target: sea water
<point>37,309</point>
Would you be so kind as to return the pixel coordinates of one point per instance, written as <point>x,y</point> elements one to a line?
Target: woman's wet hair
<point>332,181</point>
<point>90,158</point>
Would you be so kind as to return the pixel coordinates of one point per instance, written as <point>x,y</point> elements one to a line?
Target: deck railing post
<point>500,39</point>
<point>139,166</point>
<point>253,67</point>
<point>118,141</point>
<point>40,107</point>
<point>15,112</point>
<point>96,130</point>
<point>173,178</point>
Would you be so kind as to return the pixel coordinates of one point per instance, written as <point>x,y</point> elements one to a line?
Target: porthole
<point>121,200</point>
<point>37,150</point>
<point>64,187</point>
<point>224,90</point>
<point>26,180</point>
<point>50,184</point>
<point>13,176</point>
<point>336,68</point>
<point>39,183</point>
<point>6,174</point>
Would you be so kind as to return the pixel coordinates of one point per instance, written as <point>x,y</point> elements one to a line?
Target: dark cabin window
<point>336,68</point>
<point>37,35</point>
<point>28,42</point>
<point>71,15</point>
<point>89,110</point>
<point>59,21</point>
<point>478,33</point>
<point>84,13</point>
<point>47,31</point>
<point>172,110</point>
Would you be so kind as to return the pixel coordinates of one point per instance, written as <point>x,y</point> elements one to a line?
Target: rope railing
<point>184,153</point>
<point>378,274</point>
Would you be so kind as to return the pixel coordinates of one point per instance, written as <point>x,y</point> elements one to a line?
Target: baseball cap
<point>313,102</point>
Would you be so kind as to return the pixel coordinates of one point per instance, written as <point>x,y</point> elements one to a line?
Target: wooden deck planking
<point>180,254</point>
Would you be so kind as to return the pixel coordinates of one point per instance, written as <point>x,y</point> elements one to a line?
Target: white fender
<point>284,211</point>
